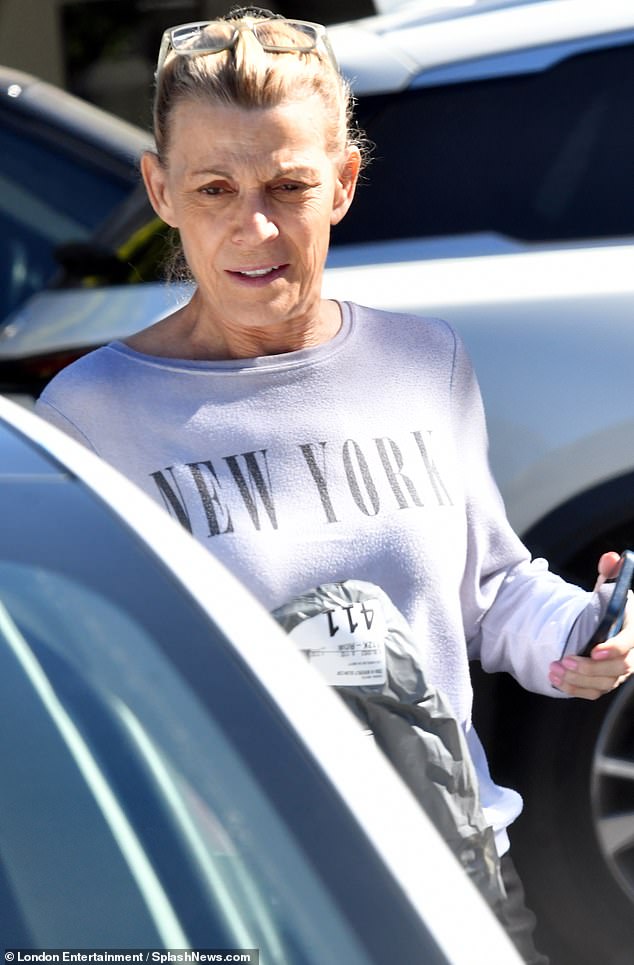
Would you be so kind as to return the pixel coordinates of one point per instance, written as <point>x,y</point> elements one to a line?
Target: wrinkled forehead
<point>292,133</point>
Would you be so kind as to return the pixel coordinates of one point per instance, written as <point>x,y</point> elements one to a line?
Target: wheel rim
<point>612,791</point>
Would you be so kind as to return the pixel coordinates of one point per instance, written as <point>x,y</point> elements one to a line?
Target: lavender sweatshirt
<point>363,458</point>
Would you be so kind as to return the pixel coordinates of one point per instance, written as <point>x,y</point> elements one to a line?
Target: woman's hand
<point>609,664</point>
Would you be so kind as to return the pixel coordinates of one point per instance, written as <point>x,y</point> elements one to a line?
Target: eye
<point>291,190</point>
<point>216,189</point>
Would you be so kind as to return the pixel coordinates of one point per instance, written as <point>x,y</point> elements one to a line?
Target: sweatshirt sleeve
<point>518,616</point>
<point>52,414</point>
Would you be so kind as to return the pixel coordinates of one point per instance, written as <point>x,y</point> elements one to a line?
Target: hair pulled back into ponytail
<point>248,76</point>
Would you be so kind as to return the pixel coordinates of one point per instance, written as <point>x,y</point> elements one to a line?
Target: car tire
<point>574,765</point>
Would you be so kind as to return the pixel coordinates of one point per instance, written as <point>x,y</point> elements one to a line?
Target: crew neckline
<point>260,363</point>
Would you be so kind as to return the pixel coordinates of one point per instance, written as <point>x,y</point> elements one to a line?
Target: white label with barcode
<point>346,644</point>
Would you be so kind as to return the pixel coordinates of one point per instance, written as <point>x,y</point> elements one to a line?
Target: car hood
<point>83,318</point>
<point>409,280</point>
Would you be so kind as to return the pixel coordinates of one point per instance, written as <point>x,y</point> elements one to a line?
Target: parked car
<point>175,775</point>
<point>64,166</point>
<point>499,197</point>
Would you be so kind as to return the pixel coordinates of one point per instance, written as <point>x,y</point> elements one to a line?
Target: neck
<point>190,333</point>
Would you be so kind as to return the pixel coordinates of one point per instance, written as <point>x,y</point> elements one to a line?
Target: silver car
<point>174,775</point>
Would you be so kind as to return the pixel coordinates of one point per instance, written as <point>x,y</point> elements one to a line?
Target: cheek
<point>199,232</point>
<point>314,224</point>
<point>198,251</point>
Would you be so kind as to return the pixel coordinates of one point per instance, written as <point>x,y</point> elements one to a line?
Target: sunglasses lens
<point>213,36</point>
<point>286,34</point>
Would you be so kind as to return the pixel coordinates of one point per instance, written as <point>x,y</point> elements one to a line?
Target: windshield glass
<point>148,789</point>
<point>48,196</point>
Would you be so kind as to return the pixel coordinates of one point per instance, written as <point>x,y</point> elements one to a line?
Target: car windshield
<point>47,198</point>
<point>148,789</point>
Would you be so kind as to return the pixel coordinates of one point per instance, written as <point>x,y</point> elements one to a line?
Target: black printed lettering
<point>253,485</point>
<point>353,626</point>
<point>175,504</point>
<point>440,490</point>
<point>209,497</point>
<point>333,628</point>
<point>319,477</point>
<point>368,614</point>
<point>355,464</point>
<point>396,478</point>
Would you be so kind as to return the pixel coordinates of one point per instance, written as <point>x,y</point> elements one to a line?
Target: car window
<point>167,826</point>
<point>540,157</point>
<point>48,196</point>
<point>146,773</point>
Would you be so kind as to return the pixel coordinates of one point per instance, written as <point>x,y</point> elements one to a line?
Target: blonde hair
<point>250,77</point>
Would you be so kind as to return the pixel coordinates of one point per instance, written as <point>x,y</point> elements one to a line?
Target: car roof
<point>423,45</point>
<point>44,102</point>
<point>444,9</point>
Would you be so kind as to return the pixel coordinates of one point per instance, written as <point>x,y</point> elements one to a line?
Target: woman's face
<point>253,193</point>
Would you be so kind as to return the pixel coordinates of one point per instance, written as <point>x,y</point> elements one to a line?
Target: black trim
<point>565,531</point>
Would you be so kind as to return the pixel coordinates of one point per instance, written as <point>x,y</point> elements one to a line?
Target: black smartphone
<point>612,620</point>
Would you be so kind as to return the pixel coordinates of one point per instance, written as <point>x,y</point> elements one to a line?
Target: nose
<point>254,224</point>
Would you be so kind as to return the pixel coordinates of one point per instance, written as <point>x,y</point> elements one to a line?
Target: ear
<point>155,180</point>
<point>345,186</point>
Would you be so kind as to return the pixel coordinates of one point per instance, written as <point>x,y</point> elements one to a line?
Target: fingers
<point>622,644</point>
<point>607,565</point>
<point>590,678</point>
<point>609,664</point>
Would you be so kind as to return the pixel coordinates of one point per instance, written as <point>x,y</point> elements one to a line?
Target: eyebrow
<point>206,172</point>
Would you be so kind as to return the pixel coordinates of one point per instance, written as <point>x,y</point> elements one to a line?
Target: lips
<point>260,273</point>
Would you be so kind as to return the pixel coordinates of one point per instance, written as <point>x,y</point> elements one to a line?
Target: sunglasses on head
<point>277,35</point>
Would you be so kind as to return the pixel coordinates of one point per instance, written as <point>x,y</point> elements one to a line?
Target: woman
<point>305,441</point>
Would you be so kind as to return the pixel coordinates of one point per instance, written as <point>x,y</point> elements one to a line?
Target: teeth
<point>259,271</point>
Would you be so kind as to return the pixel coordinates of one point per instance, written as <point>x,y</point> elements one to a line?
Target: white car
<point>174,775</point>
<point>500,197</point>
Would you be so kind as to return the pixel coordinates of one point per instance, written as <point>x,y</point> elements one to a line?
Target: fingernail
<point>601,655</point>
<point>570,663</point>
<point>555,678</point>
